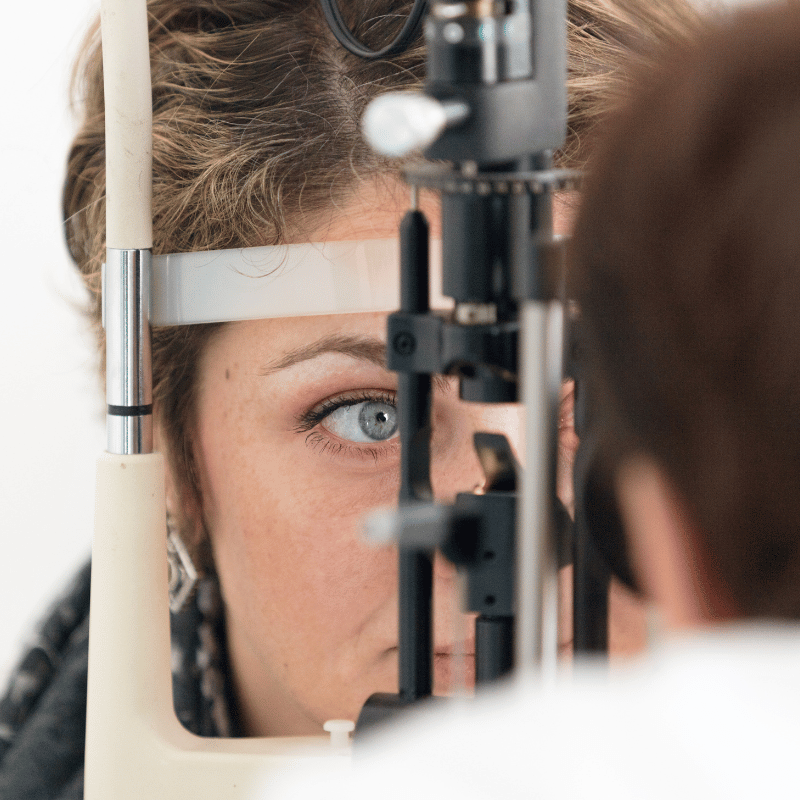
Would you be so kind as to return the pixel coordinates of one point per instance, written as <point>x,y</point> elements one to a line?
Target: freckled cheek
<point>306,538</point>
<point>348,498</point>
<point>330,532</point>
<point>286,526</point>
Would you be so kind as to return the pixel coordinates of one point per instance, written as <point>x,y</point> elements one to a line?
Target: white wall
<point>50,405</point>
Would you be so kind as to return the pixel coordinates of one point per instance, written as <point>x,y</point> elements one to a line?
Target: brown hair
<point>256,110</point>
<point>686,265</point>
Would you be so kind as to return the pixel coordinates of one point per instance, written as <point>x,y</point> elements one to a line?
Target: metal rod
<point>536,602</point>
<point>494,648</point>
<point>414,411</point>
<point>589,598</point>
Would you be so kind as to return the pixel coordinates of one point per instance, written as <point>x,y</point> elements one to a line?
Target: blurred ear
<point>666,549</point>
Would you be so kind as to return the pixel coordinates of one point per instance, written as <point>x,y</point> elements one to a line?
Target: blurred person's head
<point>686,267</point>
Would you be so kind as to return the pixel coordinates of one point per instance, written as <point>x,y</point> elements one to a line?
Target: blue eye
<point>365,421</point>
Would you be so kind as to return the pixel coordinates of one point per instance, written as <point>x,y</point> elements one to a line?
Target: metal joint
<point>475,313</point>
<point>129,382</point>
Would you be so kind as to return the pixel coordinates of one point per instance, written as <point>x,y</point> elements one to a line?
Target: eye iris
<point>377,420</point>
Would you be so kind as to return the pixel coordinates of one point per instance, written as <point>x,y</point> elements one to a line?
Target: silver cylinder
<point>129,380</point>
<point>129,435</point>
<point>537,569</point>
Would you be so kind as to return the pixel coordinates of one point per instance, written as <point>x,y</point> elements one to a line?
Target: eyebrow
<point>362,348</point>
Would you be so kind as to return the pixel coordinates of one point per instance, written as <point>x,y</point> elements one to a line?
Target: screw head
<point>404,343</point>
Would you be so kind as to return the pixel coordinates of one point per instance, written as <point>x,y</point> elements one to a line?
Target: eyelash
<point>323,443</point>
<point>320,442</point>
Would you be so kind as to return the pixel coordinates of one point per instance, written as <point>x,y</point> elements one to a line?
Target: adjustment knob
<point>398,123</point>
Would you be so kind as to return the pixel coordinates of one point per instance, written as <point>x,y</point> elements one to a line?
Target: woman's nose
<point>454,463</point>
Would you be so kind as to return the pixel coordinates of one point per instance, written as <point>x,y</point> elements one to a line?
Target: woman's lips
<point>448,674</point>
<point>454,667</point>
<point>446,668</point>
<point>467,649</point>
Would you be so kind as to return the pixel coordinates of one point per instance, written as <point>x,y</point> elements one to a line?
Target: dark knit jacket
<point>43,713</point>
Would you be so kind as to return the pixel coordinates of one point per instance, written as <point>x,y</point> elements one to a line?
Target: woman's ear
<point>667,552</point>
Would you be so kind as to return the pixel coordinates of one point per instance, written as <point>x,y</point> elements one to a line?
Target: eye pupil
<point>377,420</point>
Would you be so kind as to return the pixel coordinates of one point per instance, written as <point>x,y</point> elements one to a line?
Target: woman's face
<point>296,443</point>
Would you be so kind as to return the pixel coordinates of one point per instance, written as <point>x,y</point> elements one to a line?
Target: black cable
<point>345,36</point>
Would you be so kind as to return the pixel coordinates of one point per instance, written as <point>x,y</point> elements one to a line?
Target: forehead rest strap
<point>292,280</point>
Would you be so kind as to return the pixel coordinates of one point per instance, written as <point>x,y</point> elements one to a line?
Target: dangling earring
<point>182,571</point>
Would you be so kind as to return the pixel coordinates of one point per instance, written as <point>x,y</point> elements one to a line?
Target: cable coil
<point>345,36</point>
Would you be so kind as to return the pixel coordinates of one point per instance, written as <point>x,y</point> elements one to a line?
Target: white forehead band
<point>292,280</point>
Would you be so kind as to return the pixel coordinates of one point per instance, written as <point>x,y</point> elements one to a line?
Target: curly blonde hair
<point>256,113</point>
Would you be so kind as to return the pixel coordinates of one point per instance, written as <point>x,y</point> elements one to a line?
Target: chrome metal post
<point>537,571</point>
<point>129,382</point>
